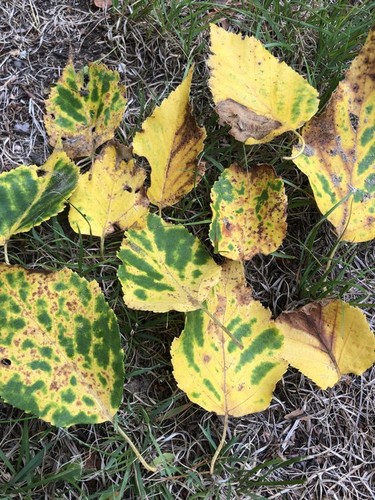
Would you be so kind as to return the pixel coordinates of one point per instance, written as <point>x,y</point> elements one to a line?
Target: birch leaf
<point>60,353</point>
<point>171,140</point>
<point>258,96</point>
<point>212,369</point>
<point>31,195</point>
<point>164,267</point>
<point>339,156</point>
<point>249,212</point>
<point>326,340</point>
<point>108,197</point>
<point>84,115</point>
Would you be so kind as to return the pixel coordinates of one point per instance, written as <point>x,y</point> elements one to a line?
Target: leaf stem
<point>223,327</point>
<point>301,145</point>
<point>102,246</point>
<point>123,434</point>
<point>221,444</point>
<point>6,257</point>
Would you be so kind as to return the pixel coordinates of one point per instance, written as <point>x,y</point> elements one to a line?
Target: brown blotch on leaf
<point>206,358</point>
<point>244,122</point>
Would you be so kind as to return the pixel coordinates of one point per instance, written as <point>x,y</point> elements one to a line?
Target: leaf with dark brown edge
<point>326,340</point>
<point>339,153</point>
<point>171,141</point>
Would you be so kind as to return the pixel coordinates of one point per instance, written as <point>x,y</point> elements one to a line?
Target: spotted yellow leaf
<point>60,353</point>
<point>109,197</point>
<point>211,368</point>
<point>165,268</point>
<point>339,155</point>
<point>84,115</point>
<point>255,94</point>
<point>326,340</point>
<point>171,140</point>
<point>248,212</point>
<point>31,195</point>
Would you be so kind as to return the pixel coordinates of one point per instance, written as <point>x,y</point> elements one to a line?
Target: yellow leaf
<point>339,156</point>
<point>259,97</point>
<point>60,351</point>
<point>84,116</point>
<point>326,340</point>
<point>165,268</point>
<point>248,212</point>
<point>171,140</point>
<point>211,368</point>
<point>108,197</point>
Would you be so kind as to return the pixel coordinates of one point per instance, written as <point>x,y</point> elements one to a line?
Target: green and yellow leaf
<point>171,140</point>
<point>211,368</point>
<point>339,155</point>
<point>248,212</point>
<point>258,96</point>
<point>165,268</point>
<point>84,115</point>
<point>326,340</point>
<point>31,195</point>
<point>109,197</point>
<point>60,353</point>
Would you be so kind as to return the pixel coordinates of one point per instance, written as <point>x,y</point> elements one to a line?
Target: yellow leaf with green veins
<point>326,340</point>
<point>211,368</point>
<point>339,155</point>
<point>31,195</point>
<point>165,268</point>
<point>109,197</point>
<point>258,96</point>
<point>248,212</point>
<point>60,353</point>
<point>171,140</point>
<point>84,115</point>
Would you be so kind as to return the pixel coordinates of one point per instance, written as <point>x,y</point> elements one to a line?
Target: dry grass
<point>333,430</point>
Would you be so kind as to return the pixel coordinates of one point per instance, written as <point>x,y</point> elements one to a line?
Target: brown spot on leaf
<point>206,358</point>
<point>244,122</point>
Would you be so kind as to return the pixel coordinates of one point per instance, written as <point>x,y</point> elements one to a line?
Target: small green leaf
<point>60,353</point>
<point>31,195</point>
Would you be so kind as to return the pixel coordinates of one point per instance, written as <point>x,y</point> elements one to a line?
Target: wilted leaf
<point>84,115</point>
<point>31,195</point>
<point>326,340</point>
<point>171,140</point>
<point>60,353</point>
<point>259,97</point>
<point>213,371</point>
<point>339,157</point>
<point>164,267</point>
<point>248,212</point>
<point>108,197</point>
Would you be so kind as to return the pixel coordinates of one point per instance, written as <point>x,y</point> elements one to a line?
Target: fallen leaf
<point>255,94</point>
<point>339,155</point>
<point>109,197</point>
<point>248,212</point>
<point>171,140</point>
<point>326,340</point>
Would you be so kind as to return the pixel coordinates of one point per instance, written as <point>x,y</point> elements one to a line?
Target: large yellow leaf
<point>84,115</point>
<point>258,96</point>
<point>211,368</point>
<point>31,195</point>
<point>339,156</point>
<point>108,197</point>
<point>248,212</point>
<point>165,268</point>
<point>171,140</point>
<point>60,353</point>
<point>326,340</point>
